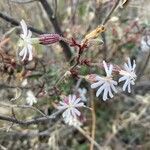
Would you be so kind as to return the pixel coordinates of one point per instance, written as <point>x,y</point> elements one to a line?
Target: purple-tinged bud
<point>46,39</point>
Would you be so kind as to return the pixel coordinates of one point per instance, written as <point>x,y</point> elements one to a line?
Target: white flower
<point>128,75</point>
<point>82,94</point>
<point>25,42</point>
<point>70,105</point>
<point>31,98</point>
<point>106,84</point>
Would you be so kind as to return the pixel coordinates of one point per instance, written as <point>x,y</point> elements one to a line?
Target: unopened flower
<point>46,39</point>
<point>94,34</point>
<point>106,84</point>
<point>69,105</point>
<point>82,94</point>
<point>31,99</point>
<point>128,75</point>
<point>26,42</point>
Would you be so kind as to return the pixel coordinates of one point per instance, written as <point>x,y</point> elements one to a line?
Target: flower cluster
<point>107,85</point>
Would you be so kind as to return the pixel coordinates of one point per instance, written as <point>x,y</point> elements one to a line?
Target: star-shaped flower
<point>128,75</point>
<point>106,84</point>
<point>70,105</point>
<point>31,99</point>
<point>26,42</point>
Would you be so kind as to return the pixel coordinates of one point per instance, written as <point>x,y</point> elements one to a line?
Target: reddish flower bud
<point>46,39</point>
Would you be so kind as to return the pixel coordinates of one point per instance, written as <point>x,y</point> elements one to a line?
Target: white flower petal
<point>99,91</point>
<point>134,65</point>
<point>22,36</point>
<point>113,88</point>
<point>29,34</point>
<point>79,104</point>
<point>66,113</point>
<point>97,84</point>
<point>132,82</point>
<point>25,54</point>
<point>123,78</point>
<point>110,93</point>
<point>126,67</point>
<point>129,64</point>
<point>30,52</point>
<point>73,99</point>
<point>76,101</point>
<point>114,82</point>
<point>106,68</point>
<point>70,97</point>
<point>21,53</point>
<point>24,27</point>
<point>125,85</point>
<point>75,112</point>
<point>129,88</point>
<point>105,94</point>
<point>110,69</point>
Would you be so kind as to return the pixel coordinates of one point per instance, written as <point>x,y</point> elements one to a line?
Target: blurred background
<point>122,123</point>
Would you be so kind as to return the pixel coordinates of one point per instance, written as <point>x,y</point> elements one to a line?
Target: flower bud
<point>46,39</point>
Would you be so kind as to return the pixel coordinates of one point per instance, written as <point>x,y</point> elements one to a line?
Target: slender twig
<point>110,13</point>
<point>29,122</point>
<point>24,107</point>
<point>2,86</point>
<point>104,22</point>
<point>104,46</point>
<point>23,1</point>
<point>93,119</point>
<point>6,34</point>
<point>16,23</point>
